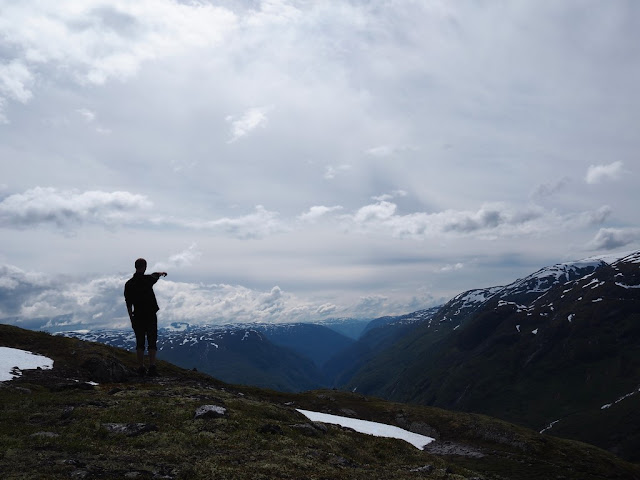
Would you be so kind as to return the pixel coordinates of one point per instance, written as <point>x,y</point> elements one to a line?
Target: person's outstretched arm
<point>159,274</point>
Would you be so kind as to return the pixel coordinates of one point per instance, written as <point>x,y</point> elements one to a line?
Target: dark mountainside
<point>188,425</point>
<point>234,354</point>
<point>556,348</point>
<point>379,335</point>
<point>316,342</point>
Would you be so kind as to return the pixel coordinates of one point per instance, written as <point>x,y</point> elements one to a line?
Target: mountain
<point>378,335</point>
<point>550,349</point>
<point>349,327</point>
<point>236,354</point>
<point>319,343</point>
<point>90,416</point>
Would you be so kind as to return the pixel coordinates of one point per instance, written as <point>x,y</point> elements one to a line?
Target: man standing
<point>142,307</point>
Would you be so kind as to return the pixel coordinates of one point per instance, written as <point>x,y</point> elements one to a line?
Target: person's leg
<point>140,334</point>
<point>152,337</point>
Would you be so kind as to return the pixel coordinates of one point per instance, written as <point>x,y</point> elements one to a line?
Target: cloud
<point>317,212</point>
<point>493,219</point>
<point>260,223</point>
<point>449,268</point>
<point>87,114</point>
<point>15,80</point>
<point>15,84</point>
<point>601,173</point>
<point>90,118</point>
<point>97,41</point>
<point>185,258</point>
<point>249,121</point>
<point>68,208</point>
<point>383,151</point>
<point>610,238</point>
<point>549,189</point>
<point>332,171</point>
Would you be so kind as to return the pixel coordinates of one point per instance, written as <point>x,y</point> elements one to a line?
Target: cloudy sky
<point>300,160</point>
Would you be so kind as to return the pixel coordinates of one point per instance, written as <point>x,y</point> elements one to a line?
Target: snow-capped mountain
<point>556,345</point>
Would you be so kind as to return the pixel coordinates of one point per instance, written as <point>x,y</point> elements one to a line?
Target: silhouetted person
<point>142,307</point>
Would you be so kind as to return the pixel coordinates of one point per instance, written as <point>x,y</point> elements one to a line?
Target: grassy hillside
<point>55,425</point>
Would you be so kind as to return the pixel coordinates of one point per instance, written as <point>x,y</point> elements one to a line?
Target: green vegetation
<point>54,425</point>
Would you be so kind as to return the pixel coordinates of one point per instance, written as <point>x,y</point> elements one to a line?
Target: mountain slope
<point>534,356</point>
<point>235,354</point>
<point>56,425</point>
<point>315,342</point>
<point>379,335</point>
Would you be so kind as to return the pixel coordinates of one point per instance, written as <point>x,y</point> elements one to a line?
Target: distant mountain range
<point>557,350</point>
<point>284,357</point>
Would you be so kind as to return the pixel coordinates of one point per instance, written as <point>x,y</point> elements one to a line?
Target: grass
<point>261,436</point>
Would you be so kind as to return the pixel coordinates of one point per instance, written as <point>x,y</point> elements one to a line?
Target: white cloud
<point>546,190</point>
<point>601,173</point>
<point>15,84</point>
<point>185,258</point>
<point>496,219</point>
<point>611,238</point>
<point>248,121</point>
<point>97,40</point>
<point>68,208</point>
<point>260,223</point>
<point>332,171</point>
<point>87,114</point>
<point>317,212</point>
<point>449,268</point>
<point>15,81</point>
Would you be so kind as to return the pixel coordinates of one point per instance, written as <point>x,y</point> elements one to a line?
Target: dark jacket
<point>138,292</point>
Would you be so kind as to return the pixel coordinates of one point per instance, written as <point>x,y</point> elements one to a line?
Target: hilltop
<point>57,425</point>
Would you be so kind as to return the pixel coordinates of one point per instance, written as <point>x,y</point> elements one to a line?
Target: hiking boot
<point>153,371</point>
<point>142,371</point>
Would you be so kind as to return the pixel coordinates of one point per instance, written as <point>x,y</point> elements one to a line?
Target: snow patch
<point>549,427</point>
<point>607,405</point>
<point>370,428</point>
<point>12,360</point>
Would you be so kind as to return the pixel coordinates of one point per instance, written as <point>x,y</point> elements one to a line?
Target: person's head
<point>141,265</point>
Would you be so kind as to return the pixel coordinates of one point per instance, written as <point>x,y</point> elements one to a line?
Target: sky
<point>303,160</point>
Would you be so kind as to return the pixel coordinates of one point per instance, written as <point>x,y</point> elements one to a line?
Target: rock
<point>210,411</point>
<point>423,469</point>
<point>26,391</point>
<point>44,435</point>
<point>339,461</point>
<point>66,413</point>
<point>346,412</point>
<point>421,428</point>
<point>270,428</point>
<point>451,448</point>
<point>313,429</point>
<point>130,429</point>
<point>106,370</point>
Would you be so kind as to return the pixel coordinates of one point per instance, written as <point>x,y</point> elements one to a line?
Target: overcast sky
<point>299,160</point>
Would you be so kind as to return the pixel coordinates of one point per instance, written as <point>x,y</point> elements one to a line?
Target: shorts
<point>146,326</point>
